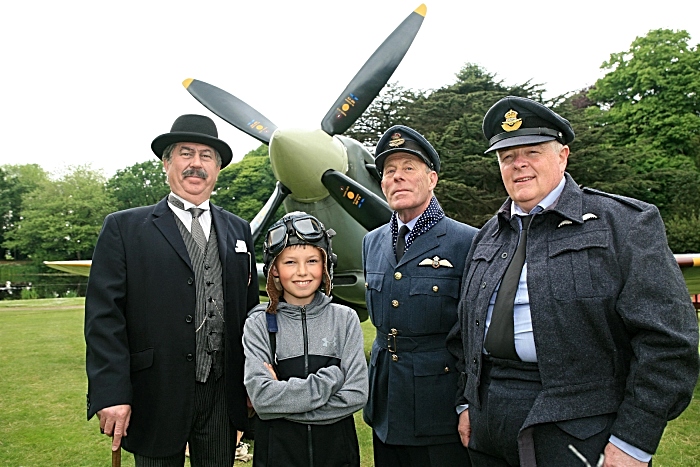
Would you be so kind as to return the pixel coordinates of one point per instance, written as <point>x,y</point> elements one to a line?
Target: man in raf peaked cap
<point>572,315</point>
<point>413,266</point>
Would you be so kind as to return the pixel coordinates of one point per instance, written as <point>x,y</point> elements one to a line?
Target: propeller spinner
<point>311,165</point>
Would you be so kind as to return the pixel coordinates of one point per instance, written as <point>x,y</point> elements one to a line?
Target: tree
<point>60,220</point>
<point>15,182</point>
<point>141,184</point>
<point>470,187</point>
<point>386,110</point>
<point>649,108</point>
<point>653,90</point>
<point>243,188</point>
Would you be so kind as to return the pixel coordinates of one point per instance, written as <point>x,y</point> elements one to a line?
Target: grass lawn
<point>43,382</point>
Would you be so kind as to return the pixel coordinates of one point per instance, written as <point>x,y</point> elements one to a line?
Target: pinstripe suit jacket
<point>139,326</point>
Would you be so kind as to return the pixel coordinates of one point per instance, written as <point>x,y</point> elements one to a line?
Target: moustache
<point>201,173</point>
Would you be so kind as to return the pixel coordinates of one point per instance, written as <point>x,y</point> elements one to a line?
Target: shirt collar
<point>187,204</point>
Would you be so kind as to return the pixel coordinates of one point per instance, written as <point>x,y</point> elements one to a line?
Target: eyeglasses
<point>305,228</point>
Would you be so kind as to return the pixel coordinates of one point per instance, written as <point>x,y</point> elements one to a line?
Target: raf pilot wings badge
<point>435,262</point>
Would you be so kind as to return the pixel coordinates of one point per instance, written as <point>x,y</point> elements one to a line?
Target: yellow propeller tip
<point>187,82</point>
<point>421,10</point>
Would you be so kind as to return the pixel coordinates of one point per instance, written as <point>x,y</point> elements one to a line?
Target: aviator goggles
<point>306,228</point>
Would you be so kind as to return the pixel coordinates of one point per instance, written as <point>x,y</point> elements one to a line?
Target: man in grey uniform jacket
<point>596,347</point>
<point>413,267</point>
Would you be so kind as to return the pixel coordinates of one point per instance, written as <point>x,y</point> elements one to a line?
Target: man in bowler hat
<point>413,266</point>
<point>169,290</point>
<point>577,332</point>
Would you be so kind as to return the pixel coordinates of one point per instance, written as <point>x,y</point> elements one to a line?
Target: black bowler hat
<point>400,138</point>
<point>193,129</point>
<point>517,121</point>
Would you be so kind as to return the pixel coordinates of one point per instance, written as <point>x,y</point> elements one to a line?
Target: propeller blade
<point>231,109</point>
<point>373,75</point>
<point>263,217</point>
<point>364,206</point>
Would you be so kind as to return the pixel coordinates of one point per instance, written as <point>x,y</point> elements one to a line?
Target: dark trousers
<point>434,455</point>
<point>212,440</point>
<point>507,392</point>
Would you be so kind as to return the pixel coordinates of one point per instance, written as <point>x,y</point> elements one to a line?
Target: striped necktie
<point>196,228</point>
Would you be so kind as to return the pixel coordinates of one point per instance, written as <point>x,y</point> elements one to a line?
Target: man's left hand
<point>616,457</point>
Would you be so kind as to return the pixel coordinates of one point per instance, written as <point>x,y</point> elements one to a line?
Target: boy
<point>305,368</point>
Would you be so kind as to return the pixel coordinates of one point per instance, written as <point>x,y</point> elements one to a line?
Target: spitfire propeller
<point>311,165</point>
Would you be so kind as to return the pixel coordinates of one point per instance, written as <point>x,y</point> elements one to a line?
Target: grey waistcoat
<point>209,313</point>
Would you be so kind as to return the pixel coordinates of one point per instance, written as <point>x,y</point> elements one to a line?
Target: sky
<point>92,83</point>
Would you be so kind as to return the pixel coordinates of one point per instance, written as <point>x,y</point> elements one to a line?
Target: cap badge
<point>512,122</point>
<point>396,140</point>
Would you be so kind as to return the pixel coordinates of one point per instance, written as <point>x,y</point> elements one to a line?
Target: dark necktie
<point>500,339</point>
<point>401,242</point>
<point>196,228</point>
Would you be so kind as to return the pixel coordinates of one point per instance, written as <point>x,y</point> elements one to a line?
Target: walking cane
<point>116,457</point>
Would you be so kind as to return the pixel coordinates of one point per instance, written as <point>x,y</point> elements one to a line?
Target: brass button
<point>397,276</point>
<point>395,303</point>
<point>435,288</point>
<point>447,369</point>
<point>395,357</point>
<point>366,285</point>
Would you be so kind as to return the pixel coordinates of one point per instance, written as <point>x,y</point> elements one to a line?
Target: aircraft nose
<point>300,157</point>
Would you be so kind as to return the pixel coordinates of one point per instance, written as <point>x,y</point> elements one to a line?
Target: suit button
<point>395,303</point>
<point>435,288</point>
<point>206,265</point>
<point>483,285</point>
<point>447,369</point>
<point>190,357</point>
<point>475,360</point>
<point>190,281</point>
<point>504,255</point>
<point>397,276</point>
<point>477,322</point>
<point>366,285</point>
<point>188,319</point>
<point>395,357</point>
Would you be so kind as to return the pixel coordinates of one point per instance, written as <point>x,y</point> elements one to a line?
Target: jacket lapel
<point>164,220</point>
<point>386,244</point>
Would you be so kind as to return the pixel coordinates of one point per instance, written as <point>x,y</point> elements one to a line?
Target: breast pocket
<point>577,265</point>
<point>373,297</point>
<point>433,303</point>
<point>479,264</point>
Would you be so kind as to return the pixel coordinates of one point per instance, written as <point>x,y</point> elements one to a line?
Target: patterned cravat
<point>500,338</point>
<point>401,242</point>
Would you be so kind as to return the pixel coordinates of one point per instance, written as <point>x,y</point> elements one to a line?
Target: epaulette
<point>631,202</point>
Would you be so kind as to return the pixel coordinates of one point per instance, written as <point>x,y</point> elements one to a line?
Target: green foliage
<point>683,232</point>
<point>243,188</point>
<point>15,182</point>
<point>387,109</point>
<point>61,219</point>
<point>141,184</point>
<point>653,89</point>
<point>470,187</point>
